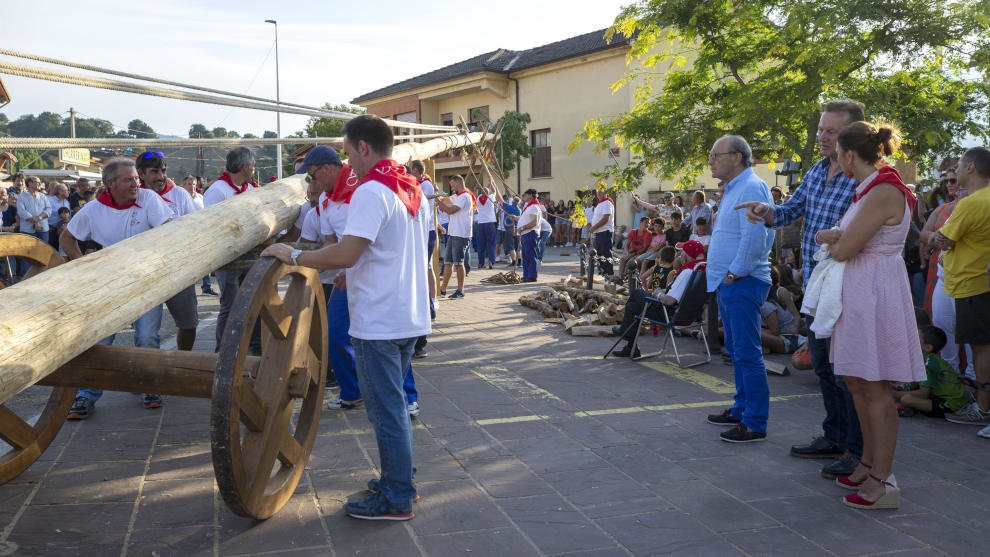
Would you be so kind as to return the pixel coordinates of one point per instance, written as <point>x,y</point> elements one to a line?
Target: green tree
<point>232,133</point>
<point>512,144</point>
<point>141,130</point>
<point>219,132</point>
<point>762,68</point>
<point>199,131</point>
<point>330,127</point>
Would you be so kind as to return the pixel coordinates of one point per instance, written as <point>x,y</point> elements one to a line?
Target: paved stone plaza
<point>528,444</point>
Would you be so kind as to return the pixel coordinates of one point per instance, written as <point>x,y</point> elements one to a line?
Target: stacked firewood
<point>582,312</point>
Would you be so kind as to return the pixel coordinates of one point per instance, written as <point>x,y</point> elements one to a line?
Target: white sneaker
<point>413,408</point>
<point>985,432</point>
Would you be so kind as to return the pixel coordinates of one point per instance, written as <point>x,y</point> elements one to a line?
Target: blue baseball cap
<point>321,154</point>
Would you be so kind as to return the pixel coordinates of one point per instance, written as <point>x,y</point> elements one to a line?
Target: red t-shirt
<point>639,240</point>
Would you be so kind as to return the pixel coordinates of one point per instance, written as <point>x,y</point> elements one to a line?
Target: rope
<point>113,85</point>
<point>8,143</point>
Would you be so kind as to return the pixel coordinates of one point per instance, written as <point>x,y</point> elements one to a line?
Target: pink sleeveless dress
<point>876,337</point>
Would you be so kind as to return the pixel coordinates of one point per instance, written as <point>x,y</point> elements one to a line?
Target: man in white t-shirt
<point>384,252</point>
<point>189,184</point>
<point>121,211</point>
<point>151,171</point>
<point>529,234</point>
<point>235,180</point>
<point>602,224</point>
<point>417,169</point>
<point>459,206</point>
<point>486,226</point>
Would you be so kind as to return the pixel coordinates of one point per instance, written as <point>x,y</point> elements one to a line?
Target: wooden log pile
<point>582,312</point>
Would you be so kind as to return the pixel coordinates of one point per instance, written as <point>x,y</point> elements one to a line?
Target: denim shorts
<point>184,308</point>
<point>456,248</point>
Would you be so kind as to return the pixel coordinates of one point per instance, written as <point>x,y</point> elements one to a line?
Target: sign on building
<point>74,156</point>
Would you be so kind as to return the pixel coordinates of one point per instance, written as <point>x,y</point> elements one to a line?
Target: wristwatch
<point>293,255</point>
<point>732,276</point>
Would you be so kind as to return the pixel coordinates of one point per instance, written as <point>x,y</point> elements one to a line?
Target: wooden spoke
<point>258,467</point>
<point>15,431</point>
<point>27,442</point>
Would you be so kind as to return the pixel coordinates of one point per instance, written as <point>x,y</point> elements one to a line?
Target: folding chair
<point>689,314</point>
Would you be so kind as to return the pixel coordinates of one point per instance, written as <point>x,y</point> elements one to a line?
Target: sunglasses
<point>153,154</point>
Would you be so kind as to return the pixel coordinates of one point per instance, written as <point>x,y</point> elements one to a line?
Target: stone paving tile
<point>535,429</point>
<point>483,543</point>
<point>63,529</point>
<point>468,442</point>
<point>553,525</point>
<point>591,433</point>
<point>91,482</point>
<point>176,503</point>
<point>173,542</point>
<point>825,521</point>
<point>958,503</point>
<point>774,541</point>
<point>603,492</point>
<point>506,477</point>
<point>455,506</point>
<point>666,533</point>
<point>554,455</point>
<point>945,533</point>
<point>745,481</point>
<point>364,537</point>
<point>645,466</point>
<point>715,508</point>
<point>297,525</point>
<point>110,445</point>
<point>179,462</point>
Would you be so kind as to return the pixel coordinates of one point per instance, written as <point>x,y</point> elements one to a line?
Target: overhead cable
<point>68,143</point>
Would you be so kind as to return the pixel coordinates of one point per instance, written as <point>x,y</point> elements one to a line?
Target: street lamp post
<point>278,101</point>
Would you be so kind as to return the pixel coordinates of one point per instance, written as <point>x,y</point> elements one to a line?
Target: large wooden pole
<point>51,318</point>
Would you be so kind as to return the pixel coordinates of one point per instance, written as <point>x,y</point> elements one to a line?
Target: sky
<point>329,51</point>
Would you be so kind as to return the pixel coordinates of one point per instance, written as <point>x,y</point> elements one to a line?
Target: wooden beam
<point>52,318</point>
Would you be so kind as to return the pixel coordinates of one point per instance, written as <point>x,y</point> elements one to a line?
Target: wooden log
<point>596,295</point>
<point>592,331</point>
<point>142,370</point>
<point>52,318</point>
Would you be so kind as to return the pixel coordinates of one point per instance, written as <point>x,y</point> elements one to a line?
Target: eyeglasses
<point>153,154</point>
<point>715,155</point>
<point>313,170</point>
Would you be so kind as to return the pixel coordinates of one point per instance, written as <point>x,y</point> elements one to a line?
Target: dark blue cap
<point>321,154</point>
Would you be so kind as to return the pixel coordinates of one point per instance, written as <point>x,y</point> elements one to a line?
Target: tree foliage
<point>329,127</point>
<point>762,69</point>
<point>512,144</point>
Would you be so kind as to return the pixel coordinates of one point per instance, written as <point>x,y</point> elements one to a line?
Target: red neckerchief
<point>343,188</point>
<point>106,199</point>
<point>225,177</point>
<point>888,175</point>
<point>394,177</point>
<point>533,202</point>
<point>168,188</point>
<point>609,199</point>
<point>483,198</point>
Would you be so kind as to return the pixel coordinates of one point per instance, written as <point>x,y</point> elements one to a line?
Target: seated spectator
<point>678,232</point>
<point>941,392</point>
<point>792,258</point>
<point>789,291</point>
<point>693,256</point>
<point>781,330</point>
<point>657,241</point>
<point>619,238</point>
<point>639,240</point>
<point>701,225</point>
<point>658,277</point>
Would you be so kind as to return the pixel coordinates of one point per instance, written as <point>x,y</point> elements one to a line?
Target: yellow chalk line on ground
<point>589,413</point>
<point>692,375</point>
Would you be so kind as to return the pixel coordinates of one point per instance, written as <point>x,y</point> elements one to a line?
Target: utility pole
<point>278,102</point>
<point>199,159</point>
<point>72,122</point>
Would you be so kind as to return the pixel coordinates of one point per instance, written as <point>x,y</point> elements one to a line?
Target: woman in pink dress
<point>875,340</point>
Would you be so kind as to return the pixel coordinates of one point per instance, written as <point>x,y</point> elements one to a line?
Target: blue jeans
<point>380,366</point>
<point>529,241</point>
<point>603,245</point>
<point>486,243</point>
<point>542,248</point>
<point>206,283</point>
<point>39,234</point>
<point>739,304</point>
<point>342,351</point>
<point>146,330</point>
<point>841,423</point>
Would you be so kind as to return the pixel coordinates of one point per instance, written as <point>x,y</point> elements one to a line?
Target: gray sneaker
<point>970,414</point>
<point>339,404</point>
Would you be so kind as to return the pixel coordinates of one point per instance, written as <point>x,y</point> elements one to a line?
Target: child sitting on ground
<point>941,392</point>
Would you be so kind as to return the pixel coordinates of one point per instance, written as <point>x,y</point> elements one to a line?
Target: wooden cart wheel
<point>263,424</point>
<point>27,437</point>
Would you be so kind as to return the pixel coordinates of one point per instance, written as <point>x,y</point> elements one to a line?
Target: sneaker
<point>818,448</point>
<point>443,293</point>
<point>374,488</point>
<point>844,466</point>
<point>984,433</point>
<point>151,401</point>
<point>413,408</point>
<point>81,408</point>
<point>456,295</point>
<point>340,404</point>
<point>742,434</point>
<point>970,414</point>
<point>627,352</point>
<point>210,292</point>
<point>377,507</point>
<point>420,354</point>
<point>725,418</point>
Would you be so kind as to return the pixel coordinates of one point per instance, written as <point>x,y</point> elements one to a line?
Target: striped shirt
<point>821,202</point>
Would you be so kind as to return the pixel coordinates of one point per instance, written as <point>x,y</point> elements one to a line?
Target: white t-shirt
<point>219,191</point>
<point>443,218</point>
<point>303,211</point>
<point>486,211</point>
<point>178,200</point>
<point>589,212</point>
<point>386,288</point>
<point>428,189</point>
<point>603,208</point>
<point>703,240</point>
<point>197,199</point>
<point>676,290</point>
<point>310,232</point>
<point>545,225</point>
<point>107,226</point>
<point>529,213</point>
<point>461,221</point>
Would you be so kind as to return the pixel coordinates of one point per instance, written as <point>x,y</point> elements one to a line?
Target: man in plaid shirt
<point>822,198</point>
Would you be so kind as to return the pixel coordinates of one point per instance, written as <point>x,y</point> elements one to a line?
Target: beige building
<point>560,85</point>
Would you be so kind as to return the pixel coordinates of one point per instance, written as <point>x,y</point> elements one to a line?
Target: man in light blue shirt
<point>739,271</point>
